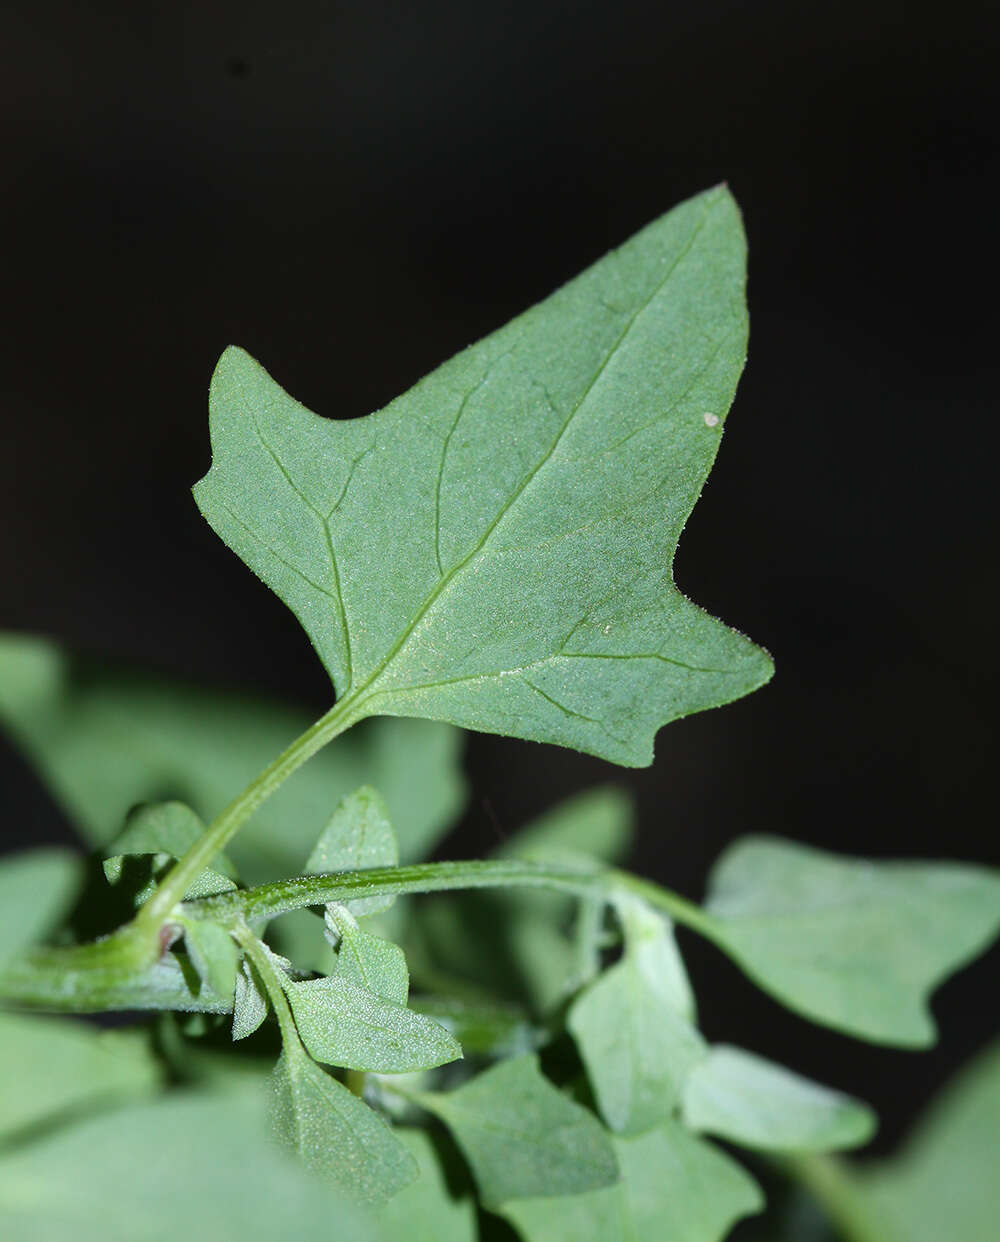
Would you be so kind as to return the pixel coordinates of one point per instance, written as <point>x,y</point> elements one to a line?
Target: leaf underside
<point>741,1097</point>
<point>854,944</point>
<point>494,547</point>
<point>522,1137</point>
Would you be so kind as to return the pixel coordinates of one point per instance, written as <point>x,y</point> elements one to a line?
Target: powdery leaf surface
<point>494,548</point>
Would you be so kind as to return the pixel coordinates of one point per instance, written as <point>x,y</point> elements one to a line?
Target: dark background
<point>354,191</point>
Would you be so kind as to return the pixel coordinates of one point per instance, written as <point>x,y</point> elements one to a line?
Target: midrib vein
<point>435,594</point>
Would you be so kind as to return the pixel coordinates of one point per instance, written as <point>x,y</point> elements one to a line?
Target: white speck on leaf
<point>711,420</point>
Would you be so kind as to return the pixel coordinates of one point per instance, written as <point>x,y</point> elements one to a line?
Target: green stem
<point>257,954</point>
<point>109,974</point>
<point>825,1180</point>
<point>678,908</point>
<point>222,829</point>
<point>270,900</point>
<point>119,972</point>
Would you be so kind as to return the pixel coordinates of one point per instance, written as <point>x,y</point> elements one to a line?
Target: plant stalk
<point>282,896</point>
<point>225,826</point>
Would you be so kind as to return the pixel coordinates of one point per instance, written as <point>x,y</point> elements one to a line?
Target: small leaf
<point>428,1210</point>
<point>359,835</point>
<point>494,547</point>
<point>853,944</point>
<point>163,828</point>
<point>372,963</point>
<point>213,954</point>
<point>335,1133</point>
<point>104,739</point>
<point>755,1103</point>
<point>194,1167</point>
<point>56,1068</point>
<point>346,1025</point>
<point>522,1137</point>
<point>673,1188</point>
<point>632,1027</point>
<point>37,889</point>
<point>154,837</point>
<point>249,1002</point>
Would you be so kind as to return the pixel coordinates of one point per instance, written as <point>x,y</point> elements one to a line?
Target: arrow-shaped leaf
<point>494,547</point>
<point>854,944</point>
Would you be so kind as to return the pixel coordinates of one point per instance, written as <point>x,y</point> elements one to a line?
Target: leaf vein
<point>335,594</point>
<point>259,539</point>
<point>444,450</point>
<point>438,590</point>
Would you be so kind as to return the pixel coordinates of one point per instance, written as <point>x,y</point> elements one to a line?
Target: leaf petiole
<point>225,826</point>
<point>270,900</point>
<point>262,963</point>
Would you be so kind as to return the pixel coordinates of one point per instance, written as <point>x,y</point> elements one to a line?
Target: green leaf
<point>673,1187</point>
<point>346,1025</point>
<point>494,547</point>
<point>37,889</point>
<point>104,740</point>
<point>522,1137</point>
<point>368,961</point>
<point>753,1102</point>
<point>428,1210</point>
<point>165,831</point>
<point>944,1185</point>
<point>249,1002</point>
<point>336,1134</point>
<point>182,1167</point>
<point>359,835</point>
<point>213,954</point>
<point>854,944</point>
<point>56,1068</point>
<point>632,1027</point>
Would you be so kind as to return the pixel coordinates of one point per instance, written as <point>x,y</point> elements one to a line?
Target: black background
<point>354,191</point>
